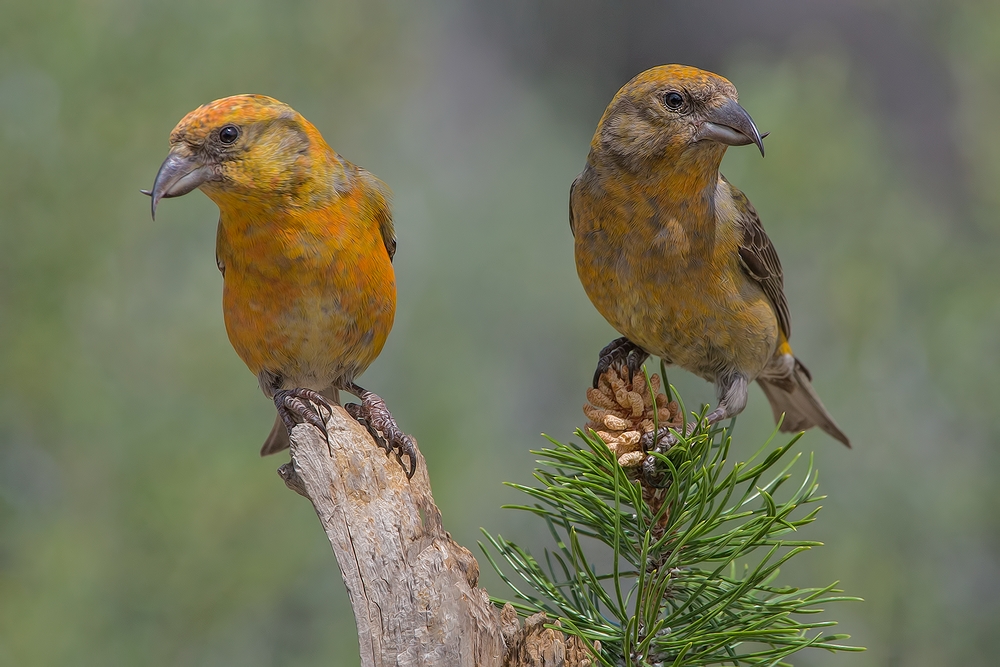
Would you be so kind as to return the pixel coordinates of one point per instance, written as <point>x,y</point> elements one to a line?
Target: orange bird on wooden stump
<point>305,246</point>
<point>675,257</point>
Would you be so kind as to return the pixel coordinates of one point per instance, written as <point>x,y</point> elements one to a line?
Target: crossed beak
<point>179,174</point>
<point>730,124</point>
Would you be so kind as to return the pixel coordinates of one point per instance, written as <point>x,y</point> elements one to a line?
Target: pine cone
<point>621,411</point>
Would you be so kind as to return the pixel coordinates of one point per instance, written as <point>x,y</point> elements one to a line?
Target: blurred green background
<point>139,526</point>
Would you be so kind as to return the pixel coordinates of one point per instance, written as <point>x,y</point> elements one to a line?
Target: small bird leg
<point>373,414</point>
<point>732,393</point>
<point>620,351</point>
<point>303,405</point>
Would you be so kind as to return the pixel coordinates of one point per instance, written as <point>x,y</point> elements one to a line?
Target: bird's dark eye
<point>673,100</point>
<point>229,134</point>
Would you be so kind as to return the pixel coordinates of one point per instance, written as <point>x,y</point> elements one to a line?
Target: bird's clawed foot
<point>623,352</point>
<point>373,414</point>
<point>654,474</point>
<point>303,405</point>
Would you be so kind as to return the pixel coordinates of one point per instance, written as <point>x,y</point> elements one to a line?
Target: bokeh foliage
<point>137,525</point>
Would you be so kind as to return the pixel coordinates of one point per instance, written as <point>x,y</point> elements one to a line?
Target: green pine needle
<point>697,589</point>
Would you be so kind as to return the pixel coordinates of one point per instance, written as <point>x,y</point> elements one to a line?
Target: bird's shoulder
<point>375,204</point>
<point>758,257</point>
<point>589,189</point>
<point>221,248</point>
<point>572,193</point>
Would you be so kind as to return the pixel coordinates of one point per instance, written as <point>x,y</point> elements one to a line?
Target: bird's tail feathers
<point>277,439</point>
<point>793,395</point>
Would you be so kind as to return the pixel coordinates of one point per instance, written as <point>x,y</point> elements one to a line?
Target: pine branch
<point>693,564</point>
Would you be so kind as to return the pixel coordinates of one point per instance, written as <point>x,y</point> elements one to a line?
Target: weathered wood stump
<point>413,589</point>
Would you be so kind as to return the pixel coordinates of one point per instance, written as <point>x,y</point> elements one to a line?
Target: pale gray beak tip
<point>149,193</point>
<point>179,174</point>
<point>730,124</point>
<point>760,141</point>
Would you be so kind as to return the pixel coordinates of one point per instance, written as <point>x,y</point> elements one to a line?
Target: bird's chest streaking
<point>668,276</point>
<point>308,296</point>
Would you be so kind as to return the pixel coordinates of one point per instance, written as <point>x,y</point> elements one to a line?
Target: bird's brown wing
<point>760,260</point>
<point>377,200</point>
<point>571,189</point>
<point>388,231</point>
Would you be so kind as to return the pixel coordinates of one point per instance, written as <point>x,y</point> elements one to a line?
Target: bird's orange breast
<point>309,295</point>
<point>669,277</point>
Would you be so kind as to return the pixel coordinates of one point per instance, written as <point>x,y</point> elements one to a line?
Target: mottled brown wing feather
<point>571,222</point>
<point>378,201</point>
<point>388,233</point>
<point>760,260</point>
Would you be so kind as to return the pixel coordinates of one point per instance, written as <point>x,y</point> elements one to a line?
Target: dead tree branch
<point>413,589</point>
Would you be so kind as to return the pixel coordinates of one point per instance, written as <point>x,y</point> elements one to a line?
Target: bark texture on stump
<point>413,589</point>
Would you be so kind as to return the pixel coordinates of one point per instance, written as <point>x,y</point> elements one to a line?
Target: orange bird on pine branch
<point>305,246</point>
<point>675,257</point>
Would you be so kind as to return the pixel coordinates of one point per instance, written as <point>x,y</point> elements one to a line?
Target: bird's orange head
<point>248,150</point>
<point>675,113</point>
